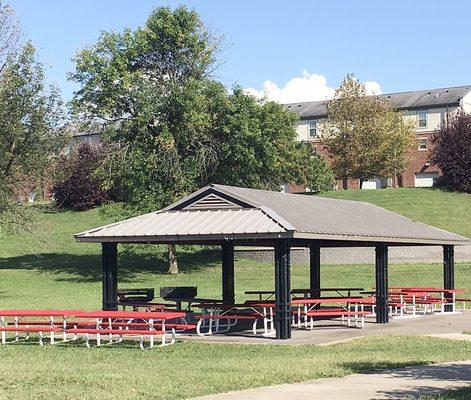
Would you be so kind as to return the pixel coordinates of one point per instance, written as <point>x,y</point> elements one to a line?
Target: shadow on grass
<point>365,367</point>
<point>420,374</point>
<point>80,343</point>
<point>80,268</point>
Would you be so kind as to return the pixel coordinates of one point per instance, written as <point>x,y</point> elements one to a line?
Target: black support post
<point>282,290</point>
<point>315,270</point>
<point>228,296</point>
<point>382,309</point>
<point>109,263</point>
<point>449,273</point>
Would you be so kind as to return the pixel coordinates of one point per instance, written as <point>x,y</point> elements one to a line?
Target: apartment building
<point>427,109</point>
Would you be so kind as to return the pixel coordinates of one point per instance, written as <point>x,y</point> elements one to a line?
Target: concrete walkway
<point>330,332</point>
<point>393,384</point>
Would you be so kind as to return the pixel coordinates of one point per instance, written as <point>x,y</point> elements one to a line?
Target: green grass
<point>53,270</point>
<point>456,394</point>
<point>186,370</point>
<point>435,207</point>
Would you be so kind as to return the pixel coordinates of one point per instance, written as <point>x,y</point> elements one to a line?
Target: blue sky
<point>401,45</point>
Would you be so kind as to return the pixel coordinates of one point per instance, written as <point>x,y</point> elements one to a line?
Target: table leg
<point>17,334</point>
<point>151,327</point>
<point>64,327</point>
<point>265,320</point>
<point>51,334</point>
<point>4,334</point>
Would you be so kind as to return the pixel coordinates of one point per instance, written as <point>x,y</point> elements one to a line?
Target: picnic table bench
<point>418,297</point>
<point>46,323</point>
<point>220,318</point>
<point>306,310</point>
<point>112,323</point>
<point>338,290</point>
<point>270,293</point>
<point>98,323</point>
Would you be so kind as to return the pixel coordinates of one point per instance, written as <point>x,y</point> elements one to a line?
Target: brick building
<point>428,109</point>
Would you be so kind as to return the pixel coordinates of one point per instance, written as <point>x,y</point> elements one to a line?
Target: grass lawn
<point>187,370</point>
<point>52,270</point>
<point>457,394</point>
<point>446,210</point>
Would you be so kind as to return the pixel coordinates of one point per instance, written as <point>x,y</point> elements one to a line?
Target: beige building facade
<point>428,110</point>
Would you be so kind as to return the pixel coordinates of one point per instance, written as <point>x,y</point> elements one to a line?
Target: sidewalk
<point>392,384</point>
<point>449,326</point>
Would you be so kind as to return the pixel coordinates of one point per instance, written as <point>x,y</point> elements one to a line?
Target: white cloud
<point>373,88</point>
<point>308,87</point>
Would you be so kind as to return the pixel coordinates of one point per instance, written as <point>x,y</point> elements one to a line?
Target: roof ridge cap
<point>277,218</point>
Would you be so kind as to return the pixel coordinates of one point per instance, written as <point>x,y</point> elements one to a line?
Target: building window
<point>422,144</point>
<point>313,128</point>
<point>422,118</point>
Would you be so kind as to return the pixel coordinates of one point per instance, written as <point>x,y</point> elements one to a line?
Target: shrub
<point>452,153</point>
<point>78,187</point>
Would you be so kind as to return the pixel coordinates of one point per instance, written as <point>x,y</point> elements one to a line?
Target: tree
<point>452,152</point>
<point>30,114</point>
<point>9,34</point>
<point>78,188</point>
<point>172,128</point>
<point>257,148</point>
<point>365,136</point>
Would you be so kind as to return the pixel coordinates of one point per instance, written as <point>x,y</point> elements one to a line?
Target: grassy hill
<point>446,210</point>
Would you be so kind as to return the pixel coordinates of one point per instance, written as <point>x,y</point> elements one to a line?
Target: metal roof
<point>243,222</point>
<point>404,100</point>
<point>260,214</point>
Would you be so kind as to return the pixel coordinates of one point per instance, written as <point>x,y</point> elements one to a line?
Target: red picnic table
<point>37,326</point>
<point>306,307</point>
<point>130,316</point>
<point>126,323</point>
<point>38,313</point>
<point>231,314</point>
<point>125,319</point>
<point>149,306</point>
<point>425,291</point>
<point>306,292</point>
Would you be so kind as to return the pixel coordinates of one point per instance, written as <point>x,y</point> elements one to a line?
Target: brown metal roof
<point>219,212</point>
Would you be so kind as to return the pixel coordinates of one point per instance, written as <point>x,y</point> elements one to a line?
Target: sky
<point>288,51</point>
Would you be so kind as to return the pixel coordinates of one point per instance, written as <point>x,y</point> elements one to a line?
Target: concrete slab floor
<point>329,332</point>
<point>392,384</point>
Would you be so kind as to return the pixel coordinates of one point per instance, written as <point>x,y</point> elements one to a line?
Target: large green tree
<point>171,127</point>
<point>30,114</point>
<point>365,136</point>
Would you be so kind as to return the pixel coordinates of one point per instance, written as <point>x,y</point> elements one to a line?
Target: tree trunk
<point>172,260</point>
<point>344,183</point>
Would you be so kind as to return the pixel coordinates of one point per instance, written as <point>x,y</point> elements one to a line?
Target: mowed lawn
<point>445,210</point>
<point>52,270</point>
<point>187,370</point>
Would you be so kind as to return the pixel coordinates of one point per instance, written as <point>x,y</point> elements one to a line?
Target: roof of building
<point>218,212</point>
<point>404,100</point>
